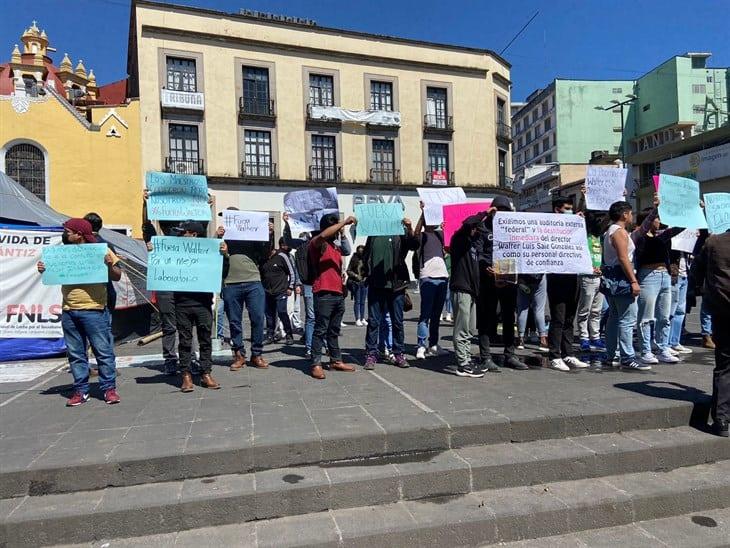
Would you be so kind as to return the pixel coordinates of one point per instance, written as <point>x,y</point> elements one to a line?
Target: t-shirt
<point>86,296</point>
<point>432,256</point>
<point>595,248</point>
<point>329,267</point>
<point>381,259</point>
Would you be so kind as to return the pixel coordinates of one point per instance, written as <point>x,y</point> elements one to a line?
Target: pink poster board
<point>454,215</point>
<point>656,182</point>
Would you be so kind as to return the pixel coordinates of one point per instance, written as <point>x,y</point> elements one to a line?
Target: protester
<point>242,287</point>
<point>680,263</point>
<point>712,267</point>
<point>590,299</point>
<point>447,314</point>
<point>385,258</point>
<point>97,223</point>
<point>532,294</point>
<point>621,288</point>
<point>329,301</point>
<point>357,277</point>
<point>85,321</point>
<point>433,283</point>
<point>279,278</point>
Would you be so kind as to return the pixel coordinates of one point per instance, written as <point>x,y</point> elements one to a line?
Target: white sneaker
<point>672,351</point>
<point>559,365</point>
<point>575,362</point>
<point>435,350</point>
<point>421,353</point>
<point>449,318</point>
<point>679,349</point>
<point>668,357</point>
<point>648,358</point>
<point>343,324</point>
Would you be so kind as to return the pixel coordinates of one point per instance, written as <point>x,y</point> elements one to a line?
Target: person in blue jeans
<point>357,276</point>
<point>680,284</point>
<point>85,321</point>
<point>706,325</point>
<point>532,293</point>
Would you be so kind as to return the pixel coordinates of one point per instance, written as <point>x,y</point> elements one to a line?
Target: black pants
<point>276,307</point>
<point>166,305</point>
<point>201,317</point>
<point>489,296</point>
<point>721,374</point>
<point>328,311</point>
<point>562,291</point>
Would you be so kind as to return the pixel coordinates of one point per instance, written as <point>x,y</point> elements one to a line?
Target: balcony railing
<point>256,108</point>
<point>384,176</point>
<point>437,122</point>
<point>504,132</point>
<point>181,165</point>
<point>322,174</point>
<point>450,180</point>
<point>506,182</point>
<point>259,171</point>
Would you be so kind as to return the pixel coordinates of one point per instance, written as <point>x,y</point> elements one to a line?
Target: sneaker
<point>515,363</point>
<point>343,324</point>
<point>672,351</point>
<point>575,363</point>
<point>449,318</point>
<point>559,365</point>
<point>370,362</point>
<point>388,357</point>
<point>489,365</point>
<point>467,370</point>
<point>520,343</point>
<point>544,347</point>
<point>77,399</point>
<point>633,365</point>
<point>648,358</point>
<point>679,349</point>
<point>289,340</point>
<point>400,361</point>
<point>308,354</point>
<point>111,397</point>
<point>421,353</point>
<point>358,323</point>
<point>668,357</point>
<point>435,350</point>
<point>585,345</point>
<point>597,345</point>
<point>721,428</point>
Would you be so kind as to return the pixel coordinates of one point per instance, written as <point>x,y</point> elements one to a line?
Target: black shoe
<point>469,371</point>
<point>308,354</point>
<point>489,365</point>
<point>515,363</point>
<point>277,337</point>
<point>268,341</point>
<point>289,340</point>
<point>195,368</point>
<point>171,367</point>
<point>520,343</point>
<point>721,428</point>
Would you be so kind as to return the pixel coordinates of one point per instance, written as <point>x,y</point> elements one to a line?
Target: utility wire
<point>520,32</point>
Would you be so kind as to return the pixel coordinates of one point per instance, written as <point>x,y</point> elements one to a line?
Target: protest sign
<point>604,186</point>
<point>177,197</point>
<point>185,264</point>
<point>435,198</point>
<point>454,215</point>
<point>28,309</point>
<point>307,207</point>
<point>75,264</point>
<point>685,240</point>
<point>679,202</point>
<point>717,207</point>
<point>379,219</point>
<point>252,226</point>
<point>538,243</point>
<point>655,178</point>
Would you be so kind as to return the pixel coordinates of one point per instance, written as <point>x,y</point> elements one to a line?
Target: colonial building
<point>71,142</point>
<point>265,104</point>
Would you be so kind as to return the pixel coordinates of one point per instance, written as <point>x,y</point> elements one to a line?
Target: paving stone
<point>441,474</point>
<point>310,530</point>
<point>618,454</point>
<point>291,491</point>
<point>362,484</point>
<point>240,534</point>
<point>497,466</point>
<point>697,530</point>
<point>376,526</point>
<point>218,500</point>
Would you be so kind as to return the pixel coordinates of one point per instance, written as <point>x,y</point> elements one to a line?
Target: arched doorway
<point>26,164</point>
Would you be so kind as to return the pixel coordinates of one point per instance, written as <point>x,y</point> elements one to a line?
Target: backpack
<point>305,266</point>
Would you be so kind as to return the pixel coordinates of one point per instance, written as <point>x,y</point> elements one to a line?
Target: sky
<point>590,39</point>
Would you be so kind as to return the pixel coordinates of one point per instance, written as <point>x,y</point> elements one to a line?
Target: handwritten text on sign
<point>538,243</point>
<point>184,264</point>
<point>604,186</point>
<point>379,219</point>
<point>177,197</point>
<point>717,206</point>
<point>679,202</point>
<point>685,240</point>
<point>454,215</point>
<point>250,226</point>
<point>76,264</point>
<point>435,198</point>
<point>307,207</point>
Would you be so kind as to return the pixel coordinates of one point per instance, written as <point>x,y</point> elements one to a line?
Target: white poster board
<point>307,207</point>
<point>685,240</point>
<point>435,198</point>
<point>604,186</point>
<point>540,243</point>
<point>251,226</point>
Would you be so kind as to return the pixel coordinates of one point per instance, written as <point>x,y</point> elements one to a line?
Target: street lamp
<point>630,98</point>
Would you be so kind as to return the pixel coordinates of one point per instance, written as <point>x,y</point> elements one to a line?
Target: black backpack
<point>304,265</point>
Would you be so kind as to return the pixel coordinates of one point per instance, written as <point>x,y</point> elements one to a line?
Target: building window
<point>438,157</point>
<point>256,91</point>
<point>383,169</point>
<point>31,86</point>
<point>324,158</point>
<point>181,74</point>
<point>535,151</point>
<point>381,95</point>
<point>698,109</point>
<point>257,153</point>
<point>545,144</point>
<point>521,142</point>
<point>501,111</point>
<point>709,79</point>
<point>436,107</point>
<point>184,149</point>
<point>26,164</point>
<point>617,90</point>
<point>646,107</point>
<point>321,90</point>
<point>544,107</point>
<point>548,124</point>
<point>698,88</point>
<point>529,137</point>
<point>548,158</point>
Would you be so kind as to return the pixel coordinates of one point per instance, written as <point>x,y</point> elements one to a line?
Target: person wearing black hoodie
<point>278,279</point>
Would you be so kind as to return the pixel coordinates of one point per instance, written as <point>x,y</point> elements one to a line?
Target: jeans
<point>166,305</point>
<point>705,319</point>
<point>562,290</point>
<point>221,320</point>
<point>620,327</point>
<point>380,302</point>
<point>329,309</point>
<point>449,309</point>
<point>309,316</point>
<point>655,301</point>
<point>276,309</point>
<point>433,296</point>
<point>294,309</point>
<point>489,296</point>
<point>385,336</point>
<point>721,374</point>
<point>252,295</point>
<point>590,306</point>
<point>360,292</point>
<point>678,310</point>
<point>84,327</point>
<point>465,325</point>
<point>200,317</point>
<point>537,301</point>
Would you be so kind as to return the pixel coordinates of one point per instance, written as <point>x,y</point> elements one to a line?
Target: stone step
<point>657,506</point>
<point>81,461</point>
<point>226,499</point>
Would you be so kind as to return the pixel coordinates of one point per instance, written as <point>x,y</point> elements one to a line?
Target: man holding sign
<point>85,319</point>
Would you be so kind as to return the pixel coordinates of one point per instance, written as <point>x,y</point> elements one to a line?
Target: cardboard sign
<point>685,240</point>
<point>435,198</point>
<point>540,243</point>
<point>177,197</point>
<point>379,219</point>
<point>185,264</point>
<point>307,207</point>
<point>252,226</point>
<point>454,215</point>
<point>604,186</point>
<point>717,207</point>
<point>679,202</point>
<point>75,264</point>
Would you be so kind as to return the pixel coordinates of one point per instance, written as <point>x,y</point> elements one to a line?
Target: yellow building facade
<point>63,140</point>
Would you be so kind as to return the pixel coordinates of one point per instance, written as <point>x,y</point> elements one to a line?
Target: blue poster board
<point>185,264</point>
<point>75,264</point>
<point>379,219</point>
<point>177,197</point>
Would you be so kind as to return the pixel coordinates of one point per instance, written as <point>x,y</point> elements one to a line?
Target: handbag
<point>614,282</point>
